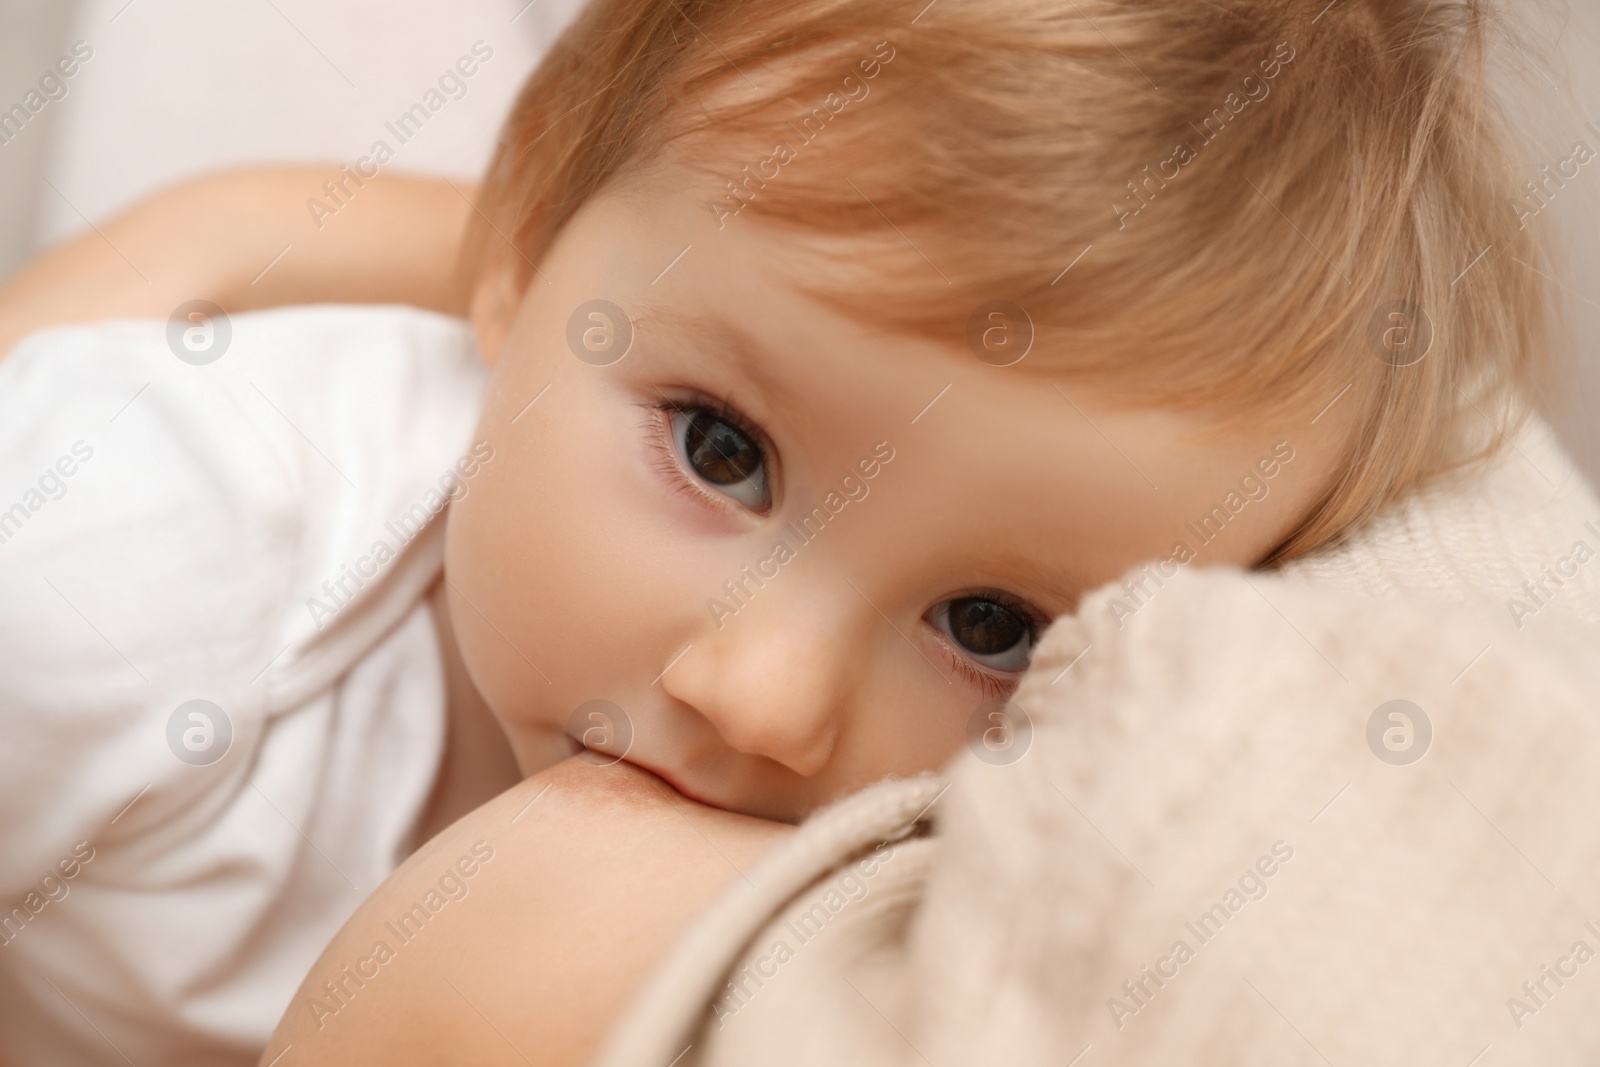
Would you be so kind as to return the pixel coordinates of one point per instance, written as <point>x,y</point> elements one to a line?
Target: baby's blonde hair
<point>1243,208</point>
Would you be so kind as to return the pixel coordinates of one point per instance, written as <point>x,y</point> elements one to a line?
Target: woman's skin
<point>213,237</point>
<point>595,871</point>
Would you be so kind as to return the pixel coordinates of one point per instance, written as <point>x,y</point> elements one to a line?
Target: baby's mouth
<point>677,784</point>
<point>669,778</point>
<point>605,758</point>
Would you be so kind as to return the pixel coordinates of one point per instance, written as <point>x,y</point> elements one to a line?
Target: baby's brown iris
<point>718,452</point>
<point>985,627</point>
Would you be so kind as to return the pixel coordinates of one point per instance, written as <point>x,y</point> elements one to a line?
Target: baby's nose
<point>782,677</point>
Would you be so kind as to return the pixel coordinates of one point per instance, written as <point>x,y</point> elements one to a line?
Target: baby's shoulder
<point>165,519</point>
<point>145,433</point>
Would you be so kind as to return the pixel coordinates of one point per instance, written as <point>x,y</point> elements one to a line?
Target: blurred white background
<point>177,87</point>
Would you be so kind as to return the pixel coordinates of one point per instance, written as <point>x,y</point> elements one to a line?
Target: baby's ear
<point>494,304</point>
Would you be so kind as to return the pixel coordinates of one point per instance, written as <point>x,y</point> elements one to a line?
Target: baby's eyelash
<point>997,688</point>
<point>664,448</point>
<point>723,410</point>
<point>1037,621</point>
<point>664,453</point>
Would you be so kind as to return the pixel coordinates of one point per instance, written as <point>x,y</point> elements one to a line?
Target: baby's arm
<point>592,875</point>
<point>214,238</point>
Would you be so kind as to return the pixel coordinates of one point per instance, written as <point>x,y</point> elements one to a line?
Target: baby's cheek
<point>487,578</point>
<point>550,592</point>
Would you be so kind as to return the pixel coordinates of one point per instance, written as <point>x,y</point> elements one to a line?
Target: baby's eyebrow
<point>1053,579</point>
<point>734,349</point>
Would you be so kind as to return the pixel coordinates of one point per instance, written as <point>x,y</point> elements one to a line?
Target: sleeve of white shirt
<point>163,526</point>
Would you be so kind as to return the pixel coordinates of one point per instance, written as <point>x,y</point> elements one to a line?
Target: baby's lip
<point>676,783</point>
<point>674,780</point>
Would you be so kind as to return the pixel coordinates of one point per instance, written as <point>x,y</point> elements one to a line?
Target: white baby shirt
<point>221,696</point>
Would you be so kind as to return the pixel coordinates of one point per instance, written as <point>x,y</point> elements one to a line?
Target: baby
<point>836,353</point>
<point>834,349</point>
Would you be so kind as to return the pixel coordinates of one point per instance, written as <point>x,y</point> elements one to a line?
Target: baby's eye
<point>994,634</point>
<point>722,455</point>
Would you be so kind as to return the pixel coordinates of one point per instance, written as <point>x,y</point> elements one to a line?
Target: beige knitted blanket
<point>1215,837</point>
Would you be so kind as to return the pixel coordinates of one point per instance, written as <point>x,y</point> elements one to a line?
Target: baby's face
<point>798,553</point>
